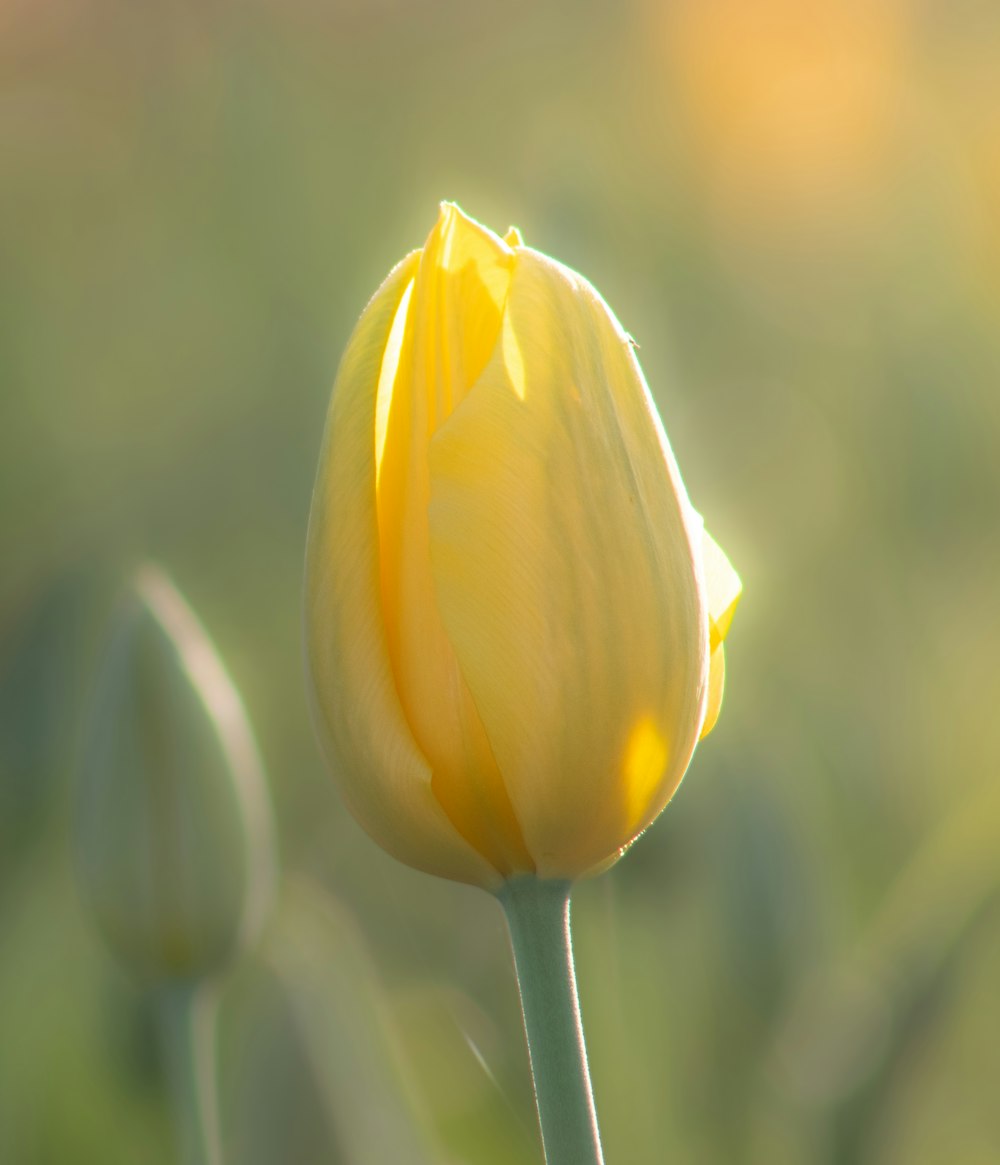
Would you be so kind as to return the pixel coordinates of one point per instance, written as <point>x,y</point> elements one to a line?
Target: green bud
<point>173,825</point>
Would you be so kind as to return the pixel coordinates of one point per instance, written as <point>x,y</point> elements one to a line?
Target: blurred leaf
<point>850,1032</point>
<point>317,1076</point>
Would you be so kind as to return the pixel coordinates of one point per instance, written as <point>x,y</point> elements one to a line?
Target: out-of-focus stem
<point>187,1014</point>
<point>537,913</point>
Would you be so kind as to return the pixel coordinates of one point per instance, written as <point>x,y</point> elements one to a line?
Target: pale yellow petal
<point>459,295</point>
<point>562,545</point>
<point>454,316</point>
<point>716,686</point>
<point>723,588</point>
<point>383,775</point>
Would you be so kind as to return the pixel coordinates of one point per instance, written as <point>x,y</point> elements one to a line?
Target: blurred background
<point>794,207</point>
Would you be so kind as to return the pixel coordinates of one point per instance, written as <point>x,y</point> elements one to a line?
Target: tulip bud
<point>514,620</point>
<point>173,825</point>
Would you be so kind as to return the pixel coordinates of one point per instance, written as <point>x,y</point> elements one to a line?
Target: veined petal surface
<point>460,290</point>
<point>383,775</point>
<point>562,546</point>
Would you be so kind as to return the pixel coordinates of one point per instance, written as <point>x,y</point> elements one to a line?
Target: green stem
<point>187,1014</point>
<point>537,913</point>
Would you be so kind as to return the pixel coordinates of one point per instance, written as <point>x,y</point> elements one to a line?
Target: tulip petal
<point>562,550</point>
<point>459,296</point>
<point>454,321</point>
<point>716,686</point>
<point>383,775</point>
<point>723,589</point>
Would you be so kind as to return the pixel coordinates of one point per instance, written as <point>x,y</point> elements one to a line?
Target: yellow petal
<point>459,295</point>
<point>562,550</point>
<point>453,322</point>
<point>716,686</point>
<point>724,588</point>
<point>383,775</point>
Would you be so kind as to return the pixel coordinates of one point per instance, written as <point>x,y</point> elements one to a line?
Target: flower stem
<point>187,1014</point>
<point>537,913</point>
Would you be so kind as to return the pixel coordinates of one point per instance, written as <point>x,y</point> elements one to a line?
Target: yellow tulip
<point>514,620</point>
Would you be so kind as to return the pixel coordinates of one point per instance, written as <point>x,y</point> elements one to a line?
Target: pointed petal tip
<point>456,226</point>
<point>725,589</point>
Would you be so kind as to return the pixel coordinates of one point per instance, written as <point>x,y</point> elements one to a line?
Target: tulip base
<point>537,912</point>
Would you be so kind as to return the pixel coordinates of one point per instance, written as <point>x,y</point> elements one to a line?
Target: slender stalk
<point>537,913</point>
<point>187,1013</point>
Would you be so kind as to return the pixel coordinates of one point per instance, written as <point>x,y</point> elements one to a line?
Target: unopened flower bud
<point>174,835</point>
<point>514,619</point>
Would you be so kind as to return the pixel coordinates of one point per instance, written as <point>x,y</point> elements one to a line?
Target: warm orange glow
<point>792,103</point>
